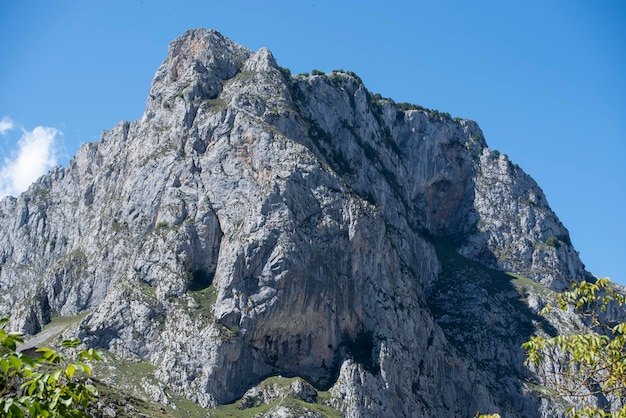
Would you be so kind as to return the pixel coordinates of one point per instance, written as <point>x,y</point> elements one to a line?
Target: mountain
<point>378,257</point>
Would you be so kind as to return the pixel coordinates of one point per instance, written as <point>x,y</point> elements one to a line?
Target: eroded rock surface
<point>254,223</point>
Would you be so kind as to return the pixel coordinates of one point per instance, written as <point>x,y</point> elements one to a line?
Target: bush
<point>45,386</point>
<point>591,363</point>
<point>404,106</point>
<point>435,114</point>
<point>553,242</point>
<point>356,77</point>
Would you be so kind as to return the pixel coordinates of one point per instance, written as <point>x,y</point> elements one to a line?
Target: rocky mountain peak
<point>197,63</point>
<point>254,223</point>
<point>261,61</point>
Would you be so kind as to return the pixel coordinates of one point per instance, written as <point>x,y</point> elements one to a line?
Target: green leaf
<point>8,342</point>
<point>15,362</point>
<point>70,370</point>
<point>92,389</point>
<point>82,367</point>
<point>31,387</point>
<point>71,343</point>
<point>67,401</point>
<point>619,328</point>
<point>4,365</point>
<point>7,404</point>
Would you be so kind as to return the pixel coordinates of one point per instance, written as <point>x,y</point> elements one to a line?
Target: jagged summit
<point>254,223</point>
<point>197,63</point>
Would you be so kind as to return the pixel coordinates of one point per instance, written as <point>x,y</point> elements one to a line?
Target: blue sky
<point>545,80</point>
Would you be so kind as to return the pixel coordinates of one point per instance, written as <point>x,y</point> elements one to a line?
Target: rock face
<point>255,223</point>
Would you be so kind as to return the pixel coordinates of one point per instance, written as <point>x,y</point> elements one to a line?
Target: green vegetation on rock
<point>285,397</point>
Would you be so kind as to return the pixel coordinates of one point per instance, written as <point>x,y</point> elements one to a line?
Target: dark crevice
<point>199,279</point>
<point>361,350</point>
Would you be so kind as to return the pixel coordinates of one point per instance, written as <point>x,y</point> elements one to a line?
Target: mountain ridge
<point>253,223</point>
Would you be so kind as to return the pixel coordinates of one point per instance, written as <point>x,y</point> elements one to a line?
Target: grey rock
<point>268,392</point>
<point>254,223</point>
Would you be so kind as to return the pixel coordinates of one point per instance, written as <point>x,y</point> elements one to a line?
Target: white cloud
<point>34,156</point>
<point>6,124</point>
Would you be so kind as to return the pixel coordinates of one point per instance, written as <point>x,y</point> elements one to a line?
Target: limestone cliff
<point>254,223</point>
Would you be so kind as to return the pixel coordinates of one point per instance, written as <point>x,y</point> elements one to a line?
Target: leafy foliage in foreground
<point>595,361</point>
<point>45,386</point>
